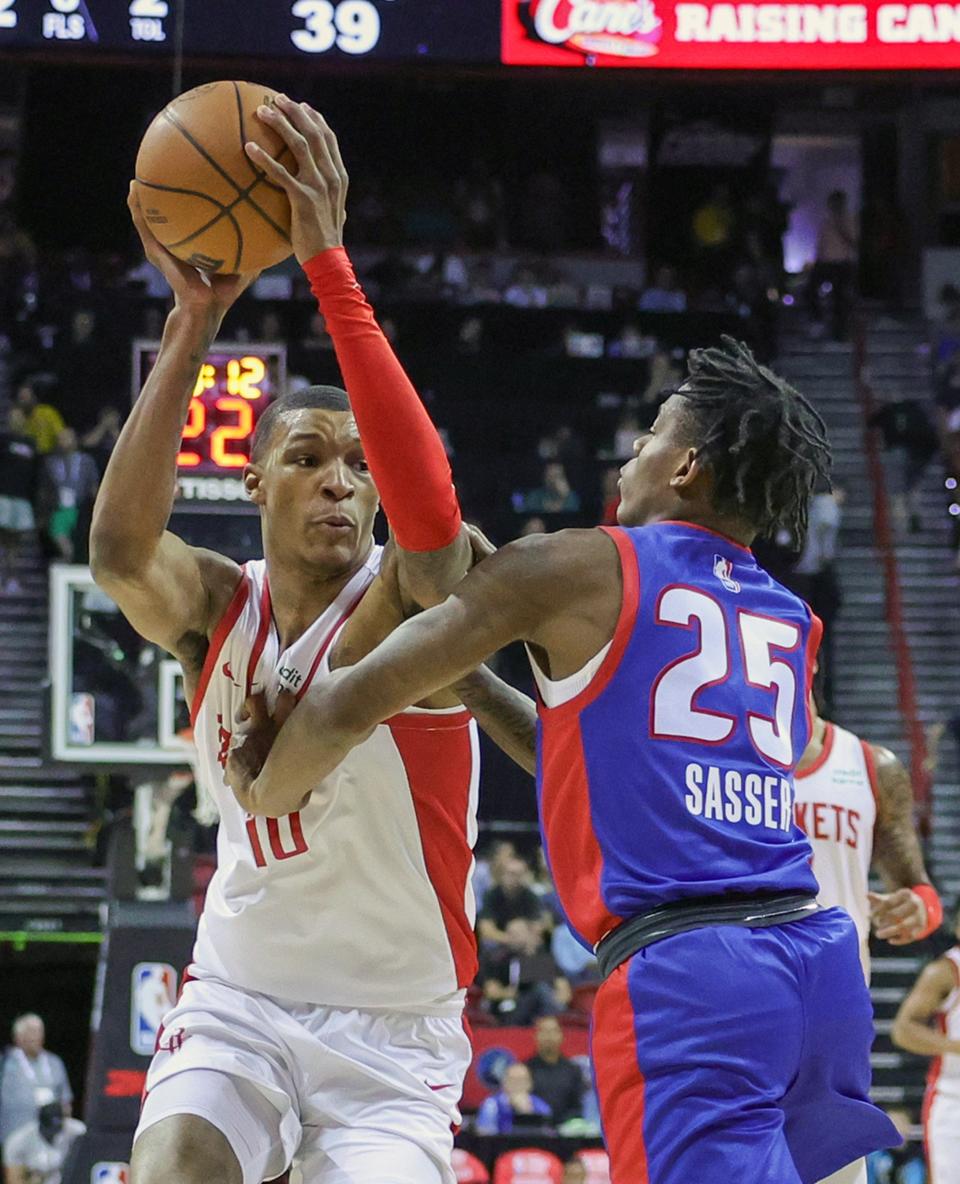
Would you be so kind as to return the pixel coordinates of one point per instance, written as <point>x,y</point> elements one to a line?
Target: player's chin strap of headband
<point>928,894</point>
<point>403,449</point>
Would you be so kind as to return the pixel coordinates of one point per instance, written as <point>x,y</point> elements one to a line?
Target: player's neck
<point>731,528</point>
<point>299,596</point>
<point>815,747</point>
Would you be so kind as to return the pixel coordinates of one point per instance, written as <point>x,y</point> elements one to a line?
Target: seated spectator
<point>901,1165</point>
<point>18,480</point>
<point>575,1171</point>
<point>68,486</point>
<point>508,897</point>
<point>102,437</point>
<point>907,428</point>
<point>525,291</point>
<point>554,496</point>
<point>631,342</point>
<point>36,1152</point>
<point>575,961</point>
<point>489,869</point>
<point>33,1078</point>
<point>556,1079</point>
<point>625,434</point>
<point>520,979</point>
<point>43,422</point>
<point>534,525</point>
<point>665,294</point>
<point>498,1113</point>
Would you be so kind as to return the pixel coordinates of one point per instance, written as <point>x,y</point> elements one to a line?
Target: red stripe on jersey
<point>220,635</point>
<point>814,637</point>
<point>573,851</point>
<point>826,748</point>
<point>263,629</point>
<point>871,762</point>
<point>326,644</point>
<point>621,1088</point>
<point>438,758</point>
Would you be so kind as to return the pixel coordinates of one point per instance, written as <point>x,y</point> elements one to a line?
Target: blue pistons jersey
<point>670,775</point>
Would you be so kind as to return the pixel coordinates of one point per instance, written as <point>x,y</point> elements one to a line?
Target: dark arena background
<point>550,202</point>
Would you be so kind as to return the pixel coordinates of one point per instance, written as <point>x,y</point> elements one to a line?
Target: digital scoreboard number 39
<point>234,386</point>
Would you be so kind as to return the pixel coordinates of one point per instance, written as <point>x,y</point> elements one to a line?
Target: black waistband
<point>752,912</point>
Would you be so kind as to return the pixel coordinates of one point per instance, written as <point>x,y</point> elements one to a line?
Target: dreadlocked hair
<point>764,443</point>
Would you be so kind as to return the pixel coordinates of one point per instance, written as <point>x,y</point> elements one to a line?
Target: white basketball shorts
<point>354,1097</point>
<point>942,1134</point>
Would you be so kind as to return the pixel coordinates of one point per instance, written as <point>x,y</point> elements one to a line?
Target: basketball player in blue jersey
<point>732,1033</point>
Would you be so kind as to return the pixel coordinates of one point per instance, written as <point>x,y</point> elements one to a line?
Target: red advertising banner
<point>723,35</point>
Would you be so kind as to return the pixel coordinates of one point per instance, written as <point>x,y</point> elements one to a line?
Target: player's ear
<point>253,483</point>
<point>687,471</point>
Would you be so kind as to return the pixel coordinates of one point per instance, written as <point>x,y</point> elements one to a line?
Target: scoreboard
<point>233,388</point>
<point>446,30</point>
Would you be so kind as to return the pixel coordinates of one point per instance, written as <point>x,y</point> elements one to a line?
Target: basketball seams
<point>242,192</point>
<point>223,212</point>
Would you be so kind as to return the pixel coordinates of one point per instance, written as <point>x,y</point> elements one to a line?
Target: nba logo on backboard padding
<point>110,1173</point>
<point>153,992</point>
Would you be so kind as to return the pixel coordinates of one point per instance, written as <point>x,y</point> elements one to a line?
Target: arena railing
<point>884,541</point>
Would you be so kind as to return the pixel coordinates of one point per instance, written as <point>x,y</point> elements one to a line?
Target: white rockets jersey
<point>836,807</point>
<point>363,898</point>
<point>944,1075</point>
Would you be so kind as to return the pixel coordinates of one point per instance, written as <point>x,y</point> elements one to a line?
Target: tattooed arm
<point>899,916</point>
<point>507,715</point>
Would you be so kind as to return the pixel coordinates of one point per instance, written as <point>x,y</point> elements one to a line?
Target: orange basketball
<point>200,192</point>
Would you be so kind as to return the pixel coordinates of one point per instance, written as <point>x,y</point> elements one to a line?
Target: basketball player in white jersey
<point>854,802</point>
<point>322,1014</point>
<point>928,1023</point>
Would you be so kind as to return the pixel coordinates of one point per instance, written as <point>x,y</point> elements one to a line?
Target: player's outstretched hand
<point>191,289</point>
<point>897,917</point>
<point>248,758</point>
<point>318,190</point>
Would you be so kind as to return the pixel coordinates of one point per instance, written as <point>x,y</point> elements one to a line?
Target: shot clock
<point>233,388</point>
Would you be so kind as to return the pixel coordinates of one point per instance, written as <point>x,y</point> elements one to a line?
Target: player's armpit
<point>175,598</point>
<point>911,1028</point>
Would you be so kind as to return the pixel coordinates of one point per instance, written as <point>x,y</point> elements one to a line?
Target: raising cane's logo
<point>618,28</point>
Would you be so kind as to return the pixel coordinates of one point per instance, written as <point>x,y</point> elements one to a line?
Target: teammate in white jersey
<point>854,802</point>
<point>321,1016</point>
<point>928,1023</point>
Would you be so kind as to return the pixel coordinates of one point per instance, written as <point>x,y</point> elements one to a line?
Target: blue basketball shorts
<point>738,1056</point>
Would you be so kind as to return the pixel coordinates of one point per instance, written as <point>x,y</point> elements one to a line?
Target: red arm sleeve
<point>404,451</point>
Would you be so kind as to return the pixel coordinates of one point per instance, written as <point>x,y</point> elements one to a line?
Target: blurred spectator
<point>534,525</point>
<point>32,1078</point>
<point>815,576</point>
<point>18,482</point>
<point>835,270</point>
<point>556,1079</point>
<point>575,961</point>
<point>489,868</point>
<point>43,422</point>
<point>901,1165</point>
<point>509,896</point>
<point>68,486</point>
<point>906,428</point>
<point>498,1113</point>
<point>554,496</point>
<point>665,377</point>
<point>625,435</point>
<point>574,1171</point>
<point>479,200</point>
<point>525,290</point>
<point>665,294</point>
<point>102,437</point>
<point>470,336</point>
<point>631,342</point>
<point>520,978</point>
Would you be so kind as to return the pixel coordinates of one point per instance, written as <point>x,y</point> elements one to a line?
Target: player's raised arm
<point>402,447</point>
<point>912,1028</point>
<point>531,590</point>
<point>911,910</point>
<point>168,590</point>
